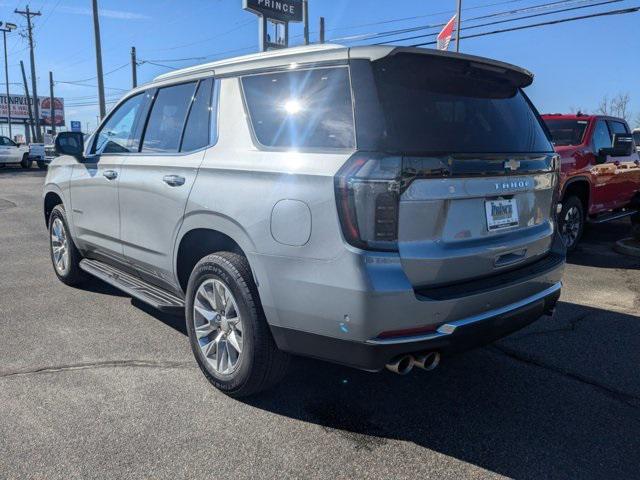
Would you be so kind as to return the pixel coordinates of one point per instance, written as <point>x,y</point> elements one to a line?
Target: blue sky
<point>575,64</point>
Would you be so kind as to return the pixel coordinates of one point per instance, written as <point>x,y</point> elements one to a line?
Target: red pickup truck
<point>600,173</point>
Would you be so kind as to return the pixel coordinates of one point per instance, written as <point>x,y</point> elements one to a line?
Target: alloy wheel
<point>571,226</point>
<point>218,326</point>
<point>59,246</point>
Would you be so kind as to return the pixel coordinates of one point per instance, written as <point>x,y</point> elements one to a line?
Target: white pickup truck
<point>11,152</point>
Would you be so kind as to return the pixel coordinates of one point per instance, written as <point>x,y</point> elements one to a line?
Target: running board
<point>134,286</point>
<point>607,217</point>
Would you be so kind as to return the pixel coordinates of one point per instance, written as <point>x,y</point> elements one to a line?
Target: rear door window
<point>197,132</point>
<point>167,118</point>
<point>301,109</point>
<point>617,127</point>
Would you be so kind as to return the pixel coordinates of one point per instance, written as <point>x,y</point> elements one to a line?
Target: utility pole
<point>305,14</point>
<point>134,68</point>
<point>321,29</point>
<point>51,105</point>
<point>26,92</point>
<point>458,22</point>
<point>8,27</point>
<point>96,31</point>
<point>28,14</point>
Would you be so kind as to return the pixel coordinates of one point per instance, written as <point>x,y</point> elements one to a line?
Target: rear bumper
<point>450,337</point>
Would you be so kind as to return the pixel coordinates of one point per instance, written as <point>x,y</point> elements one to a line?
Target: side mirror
<point>70,143</point>
<point>602,155</point>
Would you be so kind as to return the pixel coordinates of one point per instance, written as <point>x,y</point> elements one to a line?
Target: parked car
<point>11,152</point>
<point>37,154</point>
<point>636,139</point>
<point>370,206</point>
<point>600,174</point>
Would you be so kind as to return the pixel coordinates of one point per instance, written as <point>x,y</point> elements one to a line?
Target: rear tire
<point>42,165</point>
<point>571,222</point>
<point>26,161</point>
<point>233,317</point>
<point>64,254</point>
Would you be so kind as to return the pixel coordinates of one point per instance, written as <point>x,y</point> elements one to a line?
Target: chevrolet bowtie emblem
<point>512,165</point>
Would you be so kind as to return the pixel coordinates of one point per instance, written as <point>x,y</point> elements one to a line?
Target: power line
<point>497,22</point>
<point>415,17</point>
<point>506,13</point>
<point>94,77</point>
<point>92,86</point>
<point>623,11</point>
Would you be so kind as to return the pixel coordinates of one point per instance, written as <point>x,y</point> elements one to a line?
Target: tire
<point>571,222</point>
<point>259,365</point>
<point>26,161</point>
<point>70,273</point>
<point>42,165</point>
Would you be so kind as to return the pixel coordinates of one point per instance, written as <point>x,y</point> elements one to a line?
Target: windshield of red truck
<point>567,132</point>
<point>447,106</point>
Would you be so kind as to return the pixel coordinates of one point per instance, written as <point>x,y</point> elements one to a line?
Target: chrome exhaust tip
<point>401,365</point>
<point>428,360</point>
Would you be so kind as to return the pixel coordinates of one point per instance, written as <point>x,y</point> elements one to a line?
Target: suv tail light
<point>367,195</point>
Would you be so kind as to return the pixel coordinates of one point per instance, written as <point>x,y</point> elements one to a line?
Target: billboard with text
<point>20,109</point>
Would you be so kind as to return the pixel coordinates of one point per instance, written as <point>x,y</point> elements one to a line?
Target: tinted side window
<point>307,108</point>
<point>166,120</point>
<point>198,127</point>
<point>117,134</point>
<point>617,127</point>
<point>601,138</point>
<point>4,141</point>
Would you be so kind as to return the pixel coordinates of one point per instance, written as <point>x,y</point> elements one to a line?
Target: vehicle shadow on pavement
<point>560,399</point>
<point>596,247</point>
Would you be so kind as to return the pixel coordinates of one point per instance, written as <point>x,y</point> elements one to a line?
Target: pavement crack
<point>94,365</point>
<point>618,395</point>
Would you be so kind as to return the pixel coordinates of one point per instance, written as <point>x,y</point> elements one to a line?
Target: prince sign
<point>283,10</point>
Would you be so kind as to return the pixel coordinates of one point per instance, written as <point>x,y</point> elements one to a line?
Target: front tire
<point>571,222</point>
<point>26,162</point>
<point>64,254</point>
<point>227,328</point>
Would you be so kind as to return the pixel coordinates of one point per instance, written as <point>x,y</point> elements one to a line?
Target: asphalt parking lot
<point>96,385</point>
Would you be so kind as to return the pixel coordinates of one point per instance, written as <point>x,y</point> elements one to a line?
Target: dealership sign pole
<point>277,13</point>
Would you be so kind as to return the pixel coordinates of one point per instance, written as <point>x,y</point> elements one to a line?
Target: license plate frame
<point>501,213</point>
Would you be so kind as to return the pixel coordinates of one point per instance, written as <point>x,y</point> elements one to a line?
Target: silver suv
<point>371,206</point>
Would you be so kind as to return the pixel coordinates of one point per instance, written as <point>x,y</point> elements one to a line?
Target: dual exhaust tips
<point>405,363</point>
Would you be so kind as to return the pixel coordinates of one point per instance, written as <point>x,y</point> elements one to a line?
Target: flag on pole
<point>444,37</point>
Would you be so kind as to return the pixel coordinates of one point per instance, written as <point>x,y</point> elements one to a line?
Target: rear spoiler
<point>518,76</point>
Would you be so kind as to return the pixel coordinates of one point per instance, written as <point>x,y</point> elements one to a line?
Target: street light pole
<point>458,22</point>
<point>8,27</point>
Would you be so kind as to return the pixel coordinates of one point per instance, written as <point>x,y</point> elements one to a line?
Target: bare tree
<point>617,106</point>
<point>576,110</point>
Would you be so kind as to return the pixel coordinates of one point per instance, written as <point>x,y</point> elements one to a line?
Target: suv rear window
<point>301,109</point>
<point>435,105</point>
<point>567,132</point>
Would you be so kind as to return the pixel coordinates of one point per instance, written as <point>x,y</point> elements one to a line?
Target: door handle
<point>110,174</point>
<point>173,180</point>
